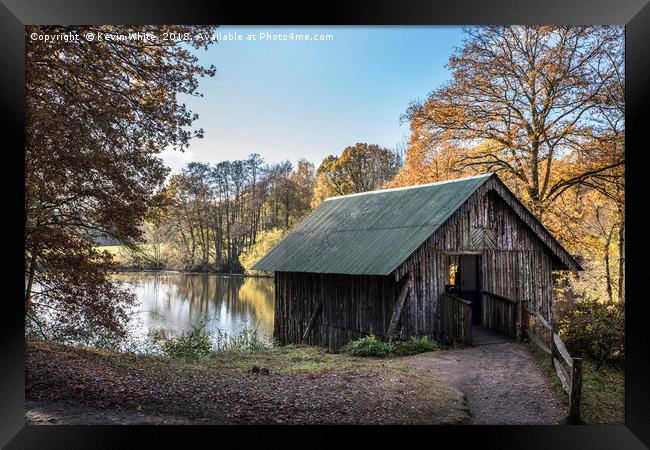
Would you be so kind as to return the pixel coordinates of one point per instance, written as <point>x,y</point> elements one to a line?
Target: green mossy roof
<point>371,233</point>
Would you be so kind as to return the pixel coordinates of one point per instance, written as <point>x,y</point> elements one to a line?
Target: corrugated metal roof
<point>370,233</point>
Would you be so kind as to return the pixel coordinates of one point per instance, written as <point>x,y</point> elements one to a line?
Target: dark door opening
<point>470,284</point>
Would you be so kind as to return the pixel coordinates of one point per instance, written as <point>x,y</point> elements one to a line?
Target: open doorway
<point>464,281</point>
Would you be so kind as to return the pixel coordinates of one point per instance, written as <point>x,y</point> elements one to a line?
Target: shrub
<point>191,345</point>
<point>414,346</point>
<point>201,343</point>
<point>593,329</point>
<point>246,340</point>
<point>368,346</point>
<point>372,346</point>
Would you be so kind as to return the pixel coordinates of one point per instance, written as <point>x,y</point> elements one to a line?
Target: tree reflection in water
<point>171,303</point>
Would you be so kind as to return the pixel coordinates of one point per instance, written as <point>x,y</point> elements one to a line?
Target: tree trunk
<point>30,278</point>
<point>608,274</point>
<point>621,262</point>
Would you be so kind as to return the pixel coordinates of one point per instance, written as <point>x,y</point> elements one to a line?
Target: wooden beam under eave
<point>397,310</point>
<point>312,320</point>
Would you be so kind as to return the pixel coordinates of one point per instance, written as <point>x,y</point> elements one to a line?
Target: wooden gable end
<point>482,233</point>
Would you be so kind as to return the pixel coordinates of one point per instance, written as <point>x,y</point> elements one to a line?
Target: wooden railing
<point>571,379</point>
<point>500,313</point>
<point>456,320</point>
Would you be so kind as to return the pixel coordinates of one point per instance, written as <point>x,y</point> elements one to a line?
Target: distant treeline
<point>221,217</point>
<point>214,213</point>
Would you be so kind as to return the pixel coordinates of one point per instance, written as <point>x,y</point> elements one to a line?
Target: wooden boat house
<point>424,260</point>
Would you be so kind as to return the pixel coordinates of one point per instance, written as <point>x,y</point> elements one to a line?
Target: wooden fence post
<point>576,391</point>
<point>554,352</point>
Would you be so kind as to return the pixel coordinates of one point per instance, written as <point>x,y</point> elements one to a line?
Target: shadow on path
<point>485,336</point>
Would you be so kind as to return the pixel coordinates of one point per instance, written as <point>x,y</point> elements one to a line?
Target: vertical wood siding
<point>353,307</point>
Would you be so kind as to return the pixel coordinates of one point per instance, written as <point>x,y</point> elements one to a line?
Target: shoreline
<point>188,272</point>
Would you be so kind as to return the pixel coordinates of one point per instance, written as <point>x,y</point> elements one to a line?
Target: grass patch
<point>288,359</point>
<point>603,390</point>
<point>371,346</point>
<point>194,344</point>
<point>603,393</point>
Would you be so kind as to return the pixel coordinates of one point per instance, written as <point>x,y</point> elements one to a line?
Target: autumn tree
<point>588,224</point>
<point>429,161</point>
<point>522,97</point>
<point>303,180</point>
<point>98,114</point>
<point>362,167</point>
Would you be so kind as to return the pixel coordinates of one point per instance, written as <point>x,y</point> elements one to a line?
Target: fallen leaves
<point>347,390</point>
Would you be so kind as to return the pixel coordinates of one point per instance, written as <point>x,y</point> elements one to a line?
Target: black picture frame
<point>15,14</point>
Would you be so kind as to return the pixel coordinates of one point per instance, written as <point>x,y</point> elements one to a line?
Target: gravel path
<point>503,383</point>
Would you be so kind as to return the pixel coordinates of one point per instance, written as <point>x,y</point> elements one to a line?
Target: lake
<point>171,303</point>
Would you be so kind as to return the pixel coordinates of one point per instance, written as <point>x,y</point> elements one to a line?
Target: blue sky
<point>308,99</point>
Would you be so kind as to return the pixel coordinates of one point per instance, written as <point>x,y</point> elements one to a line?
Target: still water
<point>171,303</point>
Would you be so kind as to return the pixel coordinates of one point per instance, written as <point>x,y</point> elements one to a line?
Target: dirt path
<point>503,383</point>
<point>66,413</point>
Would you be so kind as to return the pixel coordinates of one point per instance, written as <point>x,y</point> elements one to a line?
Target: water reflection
<point>171,303</point>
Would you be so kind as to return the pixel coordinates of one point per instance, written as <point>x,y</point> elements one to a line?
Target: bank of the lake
<point>126,260</point>
<point>286,385</point>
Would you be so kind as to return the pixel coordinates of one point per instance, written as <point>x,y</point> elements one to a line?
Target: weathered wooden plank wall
<point>514,262</point>
<point>353,307</point>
